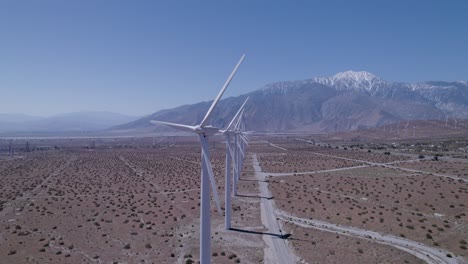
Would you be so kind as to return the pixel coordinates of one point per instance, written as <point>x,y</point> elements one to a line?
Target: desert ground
<point>301,199</point>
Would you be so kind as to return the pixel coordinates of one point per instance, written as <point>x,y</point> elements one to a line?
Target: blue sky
<point>137,57</point>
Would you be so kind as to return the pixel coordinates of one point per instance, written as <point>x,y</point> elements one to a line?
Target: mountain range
<point>345,101</point>
<point>76,122</point>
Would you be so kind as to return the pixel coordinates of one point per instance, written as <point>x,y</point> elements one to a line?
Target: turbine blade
<point>220,94</point>
<point>237,114</point>
<point>174,125</point>
<point>243,139</point>
<point>237,126</point>
<point>231,152</point>
<point>206,156</point>
<point>240,149</point>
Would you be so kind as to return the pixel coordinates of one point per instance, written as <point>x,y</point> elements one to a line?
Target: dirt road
<point>421,251</point>
<point>277,250</point>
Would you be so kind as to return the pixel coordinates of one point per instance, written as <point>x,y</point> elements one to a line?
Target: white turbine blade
<point>240,149</point>
<point>246,137</point>
<point>237,126</point>
<point>220,94</point>
<point>243,139</point>
<point>206,156</point>
<point>237,114</point>
<point>174,125</point>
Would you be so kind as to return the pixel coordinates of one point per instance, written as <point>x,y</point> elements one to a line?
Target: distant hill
<point>345,101</point>
<point>78,121</point>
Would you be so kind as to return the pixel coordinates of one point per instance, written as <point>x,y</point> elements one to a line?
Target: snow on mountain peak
<point>351,80</point>
<point>358,76</point>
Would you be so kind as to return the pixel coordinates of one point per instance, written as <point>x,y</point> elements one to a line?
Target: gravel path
<point>421,251</point>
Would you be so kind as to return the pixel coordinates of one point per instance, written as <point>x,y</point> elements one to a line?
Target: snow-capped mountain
<point>352,80</point>
<point>344,101</point>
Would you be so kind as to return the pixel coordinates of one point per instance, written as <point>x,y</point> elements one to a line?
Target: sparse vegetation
<point>121,198</point>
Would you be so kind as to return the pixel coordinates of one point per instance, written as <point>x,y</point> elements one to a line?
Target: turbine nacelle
<point>207,130</point>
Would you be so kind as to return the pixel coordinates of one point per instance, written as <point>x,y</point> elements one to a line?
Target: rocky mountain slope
<point>345,101</point>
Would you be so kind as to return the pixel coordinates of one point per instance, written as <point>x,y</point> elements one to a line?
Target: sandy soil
<point>137,201</point>
<point>119,205</point>
<point>420,207</point>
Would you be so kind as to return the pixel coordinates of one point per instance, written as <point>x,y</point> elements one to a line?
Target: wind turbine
<point>244,140</point>
<point>238,152</point>
<point>203,131</point>
<point>11,152</point>
<point>230,158</point>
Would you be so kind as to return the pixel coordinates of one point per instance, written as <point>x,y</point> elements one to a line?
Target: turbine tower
<point>203,131</point>
<point>11,152</point>
<point>238,152</point>
<point>244,139</point>
<point>228,133</point>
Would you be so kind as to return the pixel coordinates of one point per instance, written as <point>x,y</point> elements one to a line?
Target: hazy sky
<point>137,57</point>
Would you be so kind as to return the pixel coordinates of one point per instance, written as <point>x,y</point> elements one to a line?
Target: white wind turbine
<point>230,158</point>
<point>203,131</point>
<point>244,140</point>
<point>238,152</point>
<point>11,151</point>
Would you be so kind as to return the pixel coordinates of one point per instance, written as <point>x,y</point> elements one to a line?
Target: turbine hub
<point>207,130</point>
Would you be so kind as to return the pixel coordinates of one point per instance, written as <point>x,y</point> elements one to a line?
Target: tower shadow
<point>254,196</point>
<point>252,180</point>
<point>280,236</point>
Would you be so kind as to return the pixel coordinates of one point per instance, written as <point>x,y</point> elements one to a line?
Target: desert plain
<point>301,199</point>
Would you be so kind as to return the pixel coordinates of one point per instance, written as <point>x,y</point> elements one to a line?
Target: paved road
<point>277,250</point>
<point>421,251</point>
